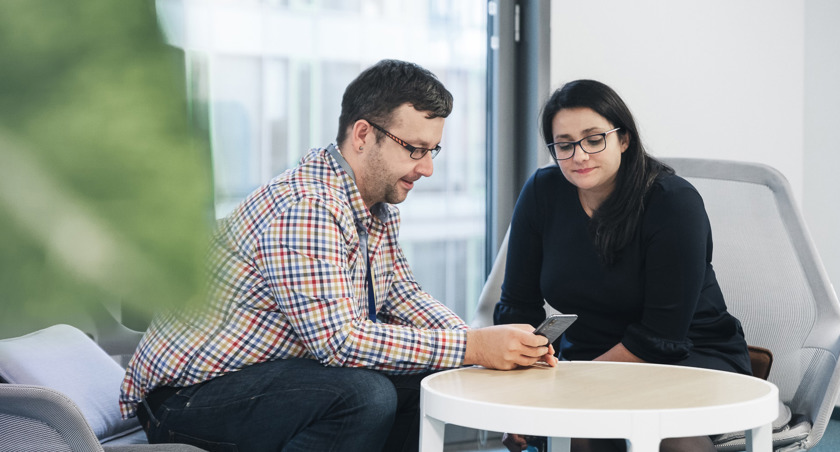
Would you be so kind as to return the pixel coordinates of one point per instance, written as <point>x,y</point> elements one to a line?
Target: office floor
<point>830,441</point>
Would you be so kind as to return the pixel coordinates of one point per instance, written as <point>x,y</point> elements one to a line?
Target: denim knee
<point>372,397</point>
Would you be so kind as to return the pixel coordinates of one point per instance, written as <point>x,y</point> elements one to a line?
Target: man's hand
<point>507,347</point>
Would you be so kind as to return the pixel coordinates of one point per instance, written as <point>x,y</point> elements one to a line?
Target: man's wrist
<point>470,347</point>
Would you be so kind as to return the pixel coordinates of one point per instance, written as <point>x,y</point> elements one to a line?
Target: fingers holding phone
<point>505,347</point>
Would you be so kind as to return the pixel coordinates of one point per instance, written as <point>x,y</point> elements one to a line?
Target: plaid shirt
<point>288,281</point>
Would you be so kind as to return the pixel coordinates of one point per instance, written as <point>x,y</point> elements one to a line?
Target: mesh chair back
<point>773,280</point>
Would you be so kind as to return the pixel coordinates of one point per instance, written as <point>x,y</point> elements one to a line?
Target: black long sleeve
<point>660,299</point>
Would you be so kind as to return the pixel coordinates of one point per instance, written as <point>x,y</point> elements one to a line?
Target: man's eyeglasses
<point>416,153</point>
<point>593,144</point>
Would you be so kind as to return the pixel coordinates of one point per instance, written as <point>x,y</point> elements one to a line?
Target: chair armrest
<point>761,360</point>
<point>40,418</point>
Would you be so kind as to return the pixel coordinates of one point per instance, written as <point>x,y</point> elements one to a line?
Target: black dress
<point>660,299</point>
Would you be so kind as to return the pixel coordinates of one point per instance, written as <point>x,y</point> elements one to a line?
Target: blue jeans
<point>292,405</point>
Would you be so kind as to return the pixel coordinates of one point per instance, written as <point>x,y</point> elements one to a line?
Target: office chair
<point>772,280</point>
<point>59,391</point>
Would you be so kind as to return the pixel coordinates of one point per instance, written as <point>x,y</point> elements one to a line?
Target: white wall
<point>714,78</point>
<point>749,80</point>
<point>822,123</point>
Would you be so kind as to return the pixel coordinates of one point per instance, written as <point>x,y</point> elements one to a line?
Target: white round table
<point>642,403</point>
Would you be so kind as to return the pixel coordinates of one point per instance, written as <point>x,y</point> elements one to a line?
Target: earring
<point>361,148</point>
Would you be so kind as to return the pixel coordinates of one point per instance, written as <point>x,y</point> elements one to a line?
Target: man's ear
<point>362,135</point>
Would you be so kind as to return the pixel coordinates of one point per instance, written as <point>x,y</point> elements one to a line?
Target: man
<point>316,335</point>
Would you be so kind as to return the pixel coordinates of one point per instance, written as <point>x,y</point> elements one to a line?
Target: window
<point>266,79</point>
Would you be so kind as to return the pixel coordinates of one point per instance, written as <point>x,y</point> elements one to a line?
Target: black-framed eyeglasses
<point>593,144</point>
<point>416,153</point>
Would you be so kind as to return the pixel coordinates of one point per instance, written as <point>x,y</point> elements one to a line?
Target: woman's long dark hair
<point>617,219</point>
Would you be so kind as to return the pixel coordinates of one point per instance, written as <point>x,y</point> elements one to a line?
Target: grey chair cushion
<point>787,429</point>
<point>63,358</point>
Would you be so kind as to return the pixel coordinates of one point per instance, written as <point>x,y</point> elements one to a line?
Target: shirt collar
<point>380,210</point>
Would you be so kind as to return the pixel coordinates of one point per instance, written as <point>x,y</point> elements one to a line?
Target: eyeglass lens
<point>590,145</point>
<point>419,153</point>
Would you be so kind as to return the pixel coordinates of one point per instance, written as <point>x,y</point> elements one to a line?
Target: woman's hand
<point>619,353</point>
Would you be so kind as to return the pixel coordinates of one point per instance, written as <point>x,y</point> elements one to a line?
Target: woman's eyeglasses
<point>593,144</point>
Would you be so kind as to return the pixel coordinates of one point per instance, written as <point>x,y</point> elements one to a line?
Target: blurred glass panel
<point>236,126</point>
<point>277,71</point>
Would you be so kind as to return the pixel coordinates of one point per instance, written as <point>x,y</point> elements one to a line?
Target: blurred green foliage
<point>105,195</point>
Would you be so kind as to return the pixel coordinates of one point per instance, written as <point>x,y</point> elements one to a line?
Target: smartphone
<point>555,325</point>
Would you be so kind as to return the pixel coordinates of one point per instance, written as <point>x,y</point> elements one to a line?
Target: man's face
<point>390,172</point>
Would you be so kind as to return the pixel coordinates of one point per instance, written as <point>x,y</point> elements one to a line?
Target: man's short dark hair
<point>388,84</point>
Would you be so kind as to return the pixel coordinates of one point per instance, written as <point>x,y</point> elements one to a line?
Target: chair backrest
<point>771,277</point>
<point>492,291</point>
<point>773,280</point>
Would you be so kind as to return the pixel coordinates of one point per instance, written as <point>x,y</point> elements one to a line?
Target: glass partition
<point>265,80</point>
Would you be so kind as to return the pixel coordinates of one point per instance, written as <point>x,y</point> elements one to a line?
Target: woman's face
<point>593,173</point>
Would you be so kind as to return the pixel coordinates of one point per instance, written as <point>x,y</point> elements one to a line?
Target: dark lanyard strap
<point>371,297</point>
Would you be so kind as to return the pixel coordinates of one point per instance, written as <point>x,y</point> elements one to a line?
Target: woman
<point>614,236</point>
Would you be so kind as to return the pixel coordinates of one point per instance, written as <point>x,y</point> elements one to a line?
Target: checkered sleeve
<point>311,258</point>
